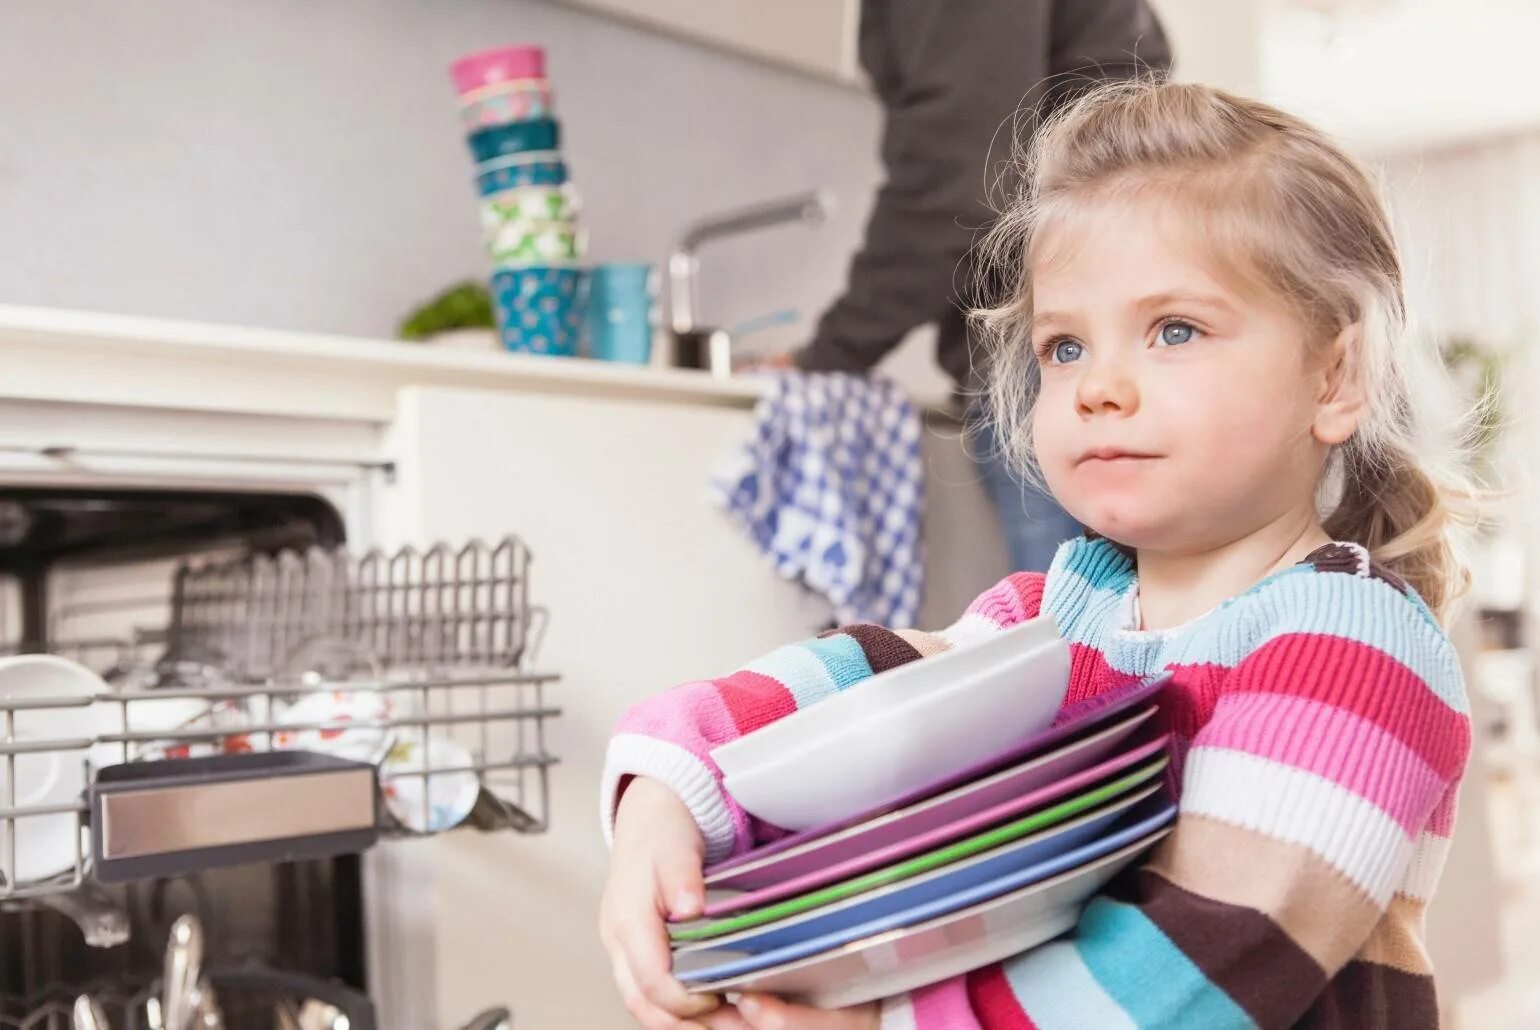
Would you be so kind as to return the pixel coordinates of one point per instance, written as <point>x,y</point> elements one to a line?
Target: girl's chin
<point>1122,523</point>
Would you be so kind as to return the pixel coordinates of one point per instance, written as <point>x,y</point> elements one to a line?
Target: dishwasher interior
<point>266,704</point>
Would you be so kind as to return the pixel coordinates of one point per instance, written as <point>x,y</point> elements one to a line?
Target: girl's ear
<point>1343,397</point>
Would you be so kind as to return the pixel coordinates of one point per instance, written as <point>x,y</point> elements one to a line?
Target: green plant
<point>466,305</point>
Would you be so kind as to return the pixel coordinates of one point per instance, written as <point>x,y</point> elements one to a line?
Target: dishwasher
<point>268,705</point>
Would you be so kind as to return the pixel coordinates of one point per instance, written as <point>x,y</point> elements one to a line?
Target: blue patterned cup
<point>540,309</point>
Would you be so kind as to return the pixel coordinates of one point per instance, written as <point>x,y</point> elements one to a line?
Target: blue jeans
<point>1032,521</point>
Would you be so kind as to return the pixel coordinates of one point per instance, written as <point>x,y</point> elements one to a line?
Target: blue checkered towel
<point>830,487</point>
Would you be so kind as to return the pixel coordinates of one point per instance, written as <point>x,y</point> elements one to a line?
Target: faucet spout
<point>810,208</point>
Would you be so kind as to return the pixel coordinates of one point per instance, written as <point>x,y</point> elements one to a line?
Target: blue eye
<point>1173,333</point>
<point>1066,351</point>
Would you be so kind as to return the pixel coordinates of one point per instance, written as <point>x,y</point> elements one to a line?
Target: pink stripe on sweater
<point>1332,743</point>
<point>944,1006</point>
<point>1089,674</point>
<point>1441,822</point>
<point>1013,600</point>
<point>693,716</point>
<point>995,1004</point>
<point>755,700</point>
<point>1365,680</point>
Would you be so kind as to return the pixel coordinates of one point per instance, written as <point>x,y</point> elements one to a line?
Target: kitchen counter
<point>50,354</point>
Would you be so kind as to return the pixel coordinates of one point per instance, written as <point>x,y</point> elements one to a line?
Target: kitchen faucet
<point>697,346</point>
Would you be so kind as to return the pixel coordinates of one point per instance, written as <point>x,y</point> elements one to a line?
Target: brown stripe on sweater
<point>1240,950</point>
<point>1397,939</point>
<point>1324,912</point>
<point>883,648</point>
<point>1369,996</point>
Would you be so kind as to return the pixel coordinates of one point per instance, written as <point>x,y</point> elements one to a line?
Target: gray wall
<point>300,165</point>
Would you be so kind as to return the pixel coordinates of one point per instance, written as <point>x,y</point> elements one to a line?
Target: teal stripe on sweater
<point>1091,578</point>
<point>1148,975</point>
<point>842,659</point>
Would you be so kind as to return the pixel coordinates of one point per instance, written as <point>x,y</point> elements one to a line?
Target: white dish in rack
<point>865,762</point>
<point>880,693</point>
<point>46,845</point>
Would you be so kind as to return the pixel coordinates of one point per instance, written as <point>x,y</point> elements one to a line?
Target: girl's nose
<point>1106,387</point>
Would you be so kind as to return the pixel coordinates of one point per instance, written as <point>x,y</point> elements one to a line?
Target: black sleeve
<point>964,67</point>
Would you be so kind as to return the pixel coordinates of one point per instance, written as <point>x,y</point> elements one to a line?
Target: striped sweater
<point>1321,730</point>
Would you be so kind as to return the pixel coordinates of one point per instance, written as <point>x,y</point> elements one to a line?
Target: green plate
<point>1003,834</point>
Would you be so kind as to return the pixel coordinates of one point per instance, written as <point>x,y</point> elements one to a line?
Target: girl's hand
<point>655,872</point>
<point>763,1012</point>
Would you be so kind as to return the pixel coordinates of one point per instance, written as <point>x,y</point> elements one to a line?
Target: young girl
<point>1210,303</point>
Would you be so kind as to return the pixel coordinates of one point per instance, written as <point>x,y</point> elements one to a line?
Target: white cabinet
<point>817,36</point>
<point>649,584</point>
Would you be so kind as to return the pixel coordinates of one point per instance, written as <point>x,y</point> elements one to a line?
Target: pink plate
<point>929,824</point>
<point>1077,721</point>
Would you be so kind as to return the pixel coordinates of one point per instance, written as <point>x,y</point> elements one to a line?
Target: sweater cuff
<point>631,754</point>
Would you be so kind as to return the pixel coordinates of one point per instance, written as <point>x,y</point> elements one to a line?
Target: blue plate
<point>959,874</point>
<point>1148,818</point>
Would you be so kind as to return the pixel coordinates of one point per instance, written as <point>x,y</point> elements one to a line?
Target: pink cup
<point>503,64</point>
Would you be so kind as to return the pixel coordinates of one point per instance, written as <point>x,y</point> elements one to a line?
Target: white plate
<point>366,742</point>
<point>451,795</point>
<point>860,763</point>
<point>879,693</point>
<point>46,844</point>
<point>890,963</point>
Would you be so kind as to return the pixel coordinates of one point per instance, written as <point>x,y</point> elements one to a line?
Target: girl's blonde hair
<point>1310,229</point>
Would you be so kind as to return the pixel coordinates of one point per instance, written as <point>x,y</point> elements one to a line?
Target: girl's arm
<point>669,737</point>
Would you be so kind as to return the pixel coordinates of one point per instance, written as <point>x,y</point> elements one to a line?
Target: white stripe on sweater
<point>897,1014</point>
<point>968,629</point>
<point>799,670</point>
<point>631,754</point>
<point>1359,839</point>
<point>1421,878</point>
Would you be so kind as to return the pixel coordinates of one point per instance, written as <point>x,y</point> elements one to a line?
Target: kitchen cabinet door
<point>649,584</point>
<point>817,36</point>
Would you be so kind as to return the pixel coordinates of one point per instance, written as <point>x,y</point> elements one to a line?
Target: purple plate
<point>1073,720</point>
<point>969,810</point>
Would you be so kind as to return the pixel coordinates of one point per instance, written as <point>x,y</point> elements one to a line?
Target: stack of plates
<point>945,863</point>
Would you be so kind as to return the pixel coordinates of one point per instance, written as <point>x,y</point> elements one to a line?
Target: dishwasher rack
<point>406,677</point>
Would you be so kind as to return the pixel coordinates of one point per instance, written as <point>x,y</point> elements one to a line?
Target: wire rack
<point>408,609</point>
<point>414,663</point>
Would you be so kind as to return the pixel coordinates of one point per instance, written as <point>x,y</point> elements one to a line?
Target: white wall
<point>300,165</point>
<point>1392,75</point>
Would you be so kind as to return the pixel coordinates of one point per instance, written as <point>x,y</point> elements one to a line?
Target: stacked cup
<point>529,211</point>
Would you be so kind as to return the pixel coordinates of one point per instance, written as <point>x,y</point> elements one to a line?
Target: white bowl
<point>880,693</point>
<point>46,844</point>
<point>867,762</point>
